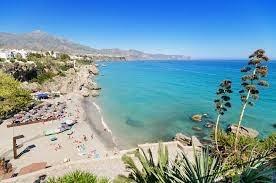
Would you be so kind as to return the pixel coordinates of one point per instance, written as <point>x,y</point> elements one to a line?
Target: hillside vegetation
<point>13,98</point>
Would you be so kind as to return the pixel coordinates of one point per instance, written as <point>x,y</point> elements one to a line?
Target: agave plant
<point>222,104</point>
<point>256,70</point>
<point>150,171</point>
<point>204,169</point>
<point>258,170</point>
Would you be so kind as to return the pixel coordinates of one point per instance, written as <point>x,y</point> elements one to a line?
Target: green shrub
<point>246,146</point>
<point>41,78</point>
<point>62,74</point>
<point>78,176</point>
<point>12,60</point>
<point>64,57</point>
<point>202,168</point>
<point>22,59</point>
<point>258,169</point>
<point>18,56</point>
<point>12,97</point>
<point>34,56</point>
<point>151,171</point>
<point>2,59</point>
<point>84,62</point>
<point>63,67</point>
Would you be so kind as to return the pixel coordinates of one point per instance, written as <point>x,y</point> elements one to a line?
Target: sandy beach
<point>89,145</point>
<point>89,138</point>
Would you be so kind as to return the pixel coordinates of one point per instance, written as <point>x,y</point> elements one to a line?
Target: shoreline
<point>95,120</point>
<point>89,138</point>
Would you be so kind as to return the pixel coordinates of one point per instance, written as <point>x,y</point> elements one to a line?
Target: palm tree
<point>249,82</point>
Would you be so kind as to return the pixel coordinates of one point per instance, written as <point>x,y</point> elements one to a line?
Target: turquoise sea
<point>149,101</point>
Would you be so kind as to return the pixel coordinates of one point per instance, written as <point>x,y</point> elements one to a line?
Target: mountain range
<point>39,40</point>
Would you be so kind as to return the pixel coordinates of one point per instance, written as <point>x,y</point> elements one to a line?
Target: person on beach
<point>84,138</point>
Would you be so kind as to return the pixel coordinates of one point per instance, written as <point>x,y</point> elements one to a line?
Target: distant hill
<point>39,40</point>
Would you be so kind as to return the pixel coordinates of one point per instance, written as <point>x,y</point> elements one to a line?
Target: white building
<point>11,53</point>
<point>22,52</point>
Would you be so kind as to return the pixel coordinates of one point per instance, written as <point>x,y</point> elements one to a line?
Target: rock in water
<point>85,93</point>
<point>197,117</point>
<point>209,125</point>
<point>196,142</point>
<point>95,93</point>
<point>183,139</point>
<point>247,132</point>
<point>96,86</point>
<point>134,122</point>
<point>196,128</point>
<point>94,70</point>
<point>92,86</point>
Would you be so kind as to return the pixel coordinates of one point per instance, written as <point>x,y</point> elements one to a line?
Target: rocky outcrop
<point>85,93</point>
<point>95,93</point>
<point>196,142</point>
<point>209,125</point>
<point>188,141</point>
<point>196,128</point>
<point>244,131</point>
<point>198,117</point>
<point>93,69</point>
<point>22,71</point>
<point>76,80</point>
<point>185,140</point>
<point>71,71</point>
<point>33,87</point>
<point>92,85</point>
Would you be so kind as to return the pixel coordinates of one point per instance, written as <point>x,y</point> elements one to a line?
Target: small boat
<point>103,65</point>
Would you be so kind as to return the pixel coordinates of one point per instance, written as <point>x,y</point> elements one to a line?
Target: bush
<point>203,168</point>
<point>22,59</point>
<point>41,78</point>
<point>12,60</point>
<point>64,67</point>
<point>78,176</point>
<point>64,57</point>
<point>13,98</point>
<point>151,171</point>
<point>84,62</point>
<point>18,56</point>
<point>34,56</point>
<point>246,146</point>
<point>2,59</point>
<point>62,74</point>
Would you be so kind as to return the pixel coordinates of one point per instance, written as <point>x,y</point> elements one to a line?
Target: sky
<point>203,29</point>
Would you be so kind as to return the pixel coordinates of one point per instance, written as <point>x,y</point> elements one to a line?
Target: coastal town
<point>21,55</point>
